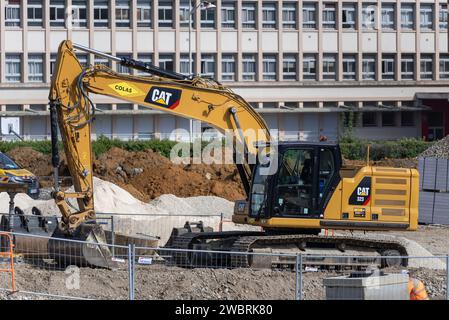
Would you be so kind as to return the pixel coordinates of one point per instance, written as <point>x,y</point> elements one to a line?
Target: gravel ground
<point>159,282</point>
<point>434,238</point>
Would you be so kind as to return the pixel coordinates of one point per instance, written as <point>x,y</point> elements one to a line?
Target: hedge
<point>353,149</point>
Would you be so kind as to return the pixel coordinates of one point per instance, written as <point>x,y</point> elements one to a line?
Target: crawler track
<point>231,243</point>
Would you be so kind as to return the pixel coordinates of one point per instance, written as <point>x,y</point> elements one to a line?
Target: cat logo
<point>363,192</point>
<point>126,90</point>
<point>361,195</point>
<point>164,97</point>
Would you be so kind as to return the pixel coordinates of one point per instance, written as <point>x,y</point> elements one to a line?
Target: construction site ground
<point>147,175</point>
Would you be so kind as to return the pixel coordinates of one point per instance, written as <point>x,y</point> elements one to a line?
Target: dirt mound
<point>36,162</point>
<point>144,174</point>
<point>147,175</point>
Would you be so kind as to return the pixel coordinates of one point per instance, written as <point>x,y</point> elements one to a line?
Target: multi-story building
<point>304,65</point>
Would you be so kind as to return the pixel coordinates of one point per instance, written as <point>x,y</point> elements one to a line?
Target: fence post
<point>447,277</point>
<point>298,275</point>
<point>221,222</point>
<point>112,235</point>
<point>131,254</point>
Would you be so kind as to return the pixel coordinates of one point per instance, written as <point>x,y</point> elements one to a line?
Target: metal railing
<point>61,268</point>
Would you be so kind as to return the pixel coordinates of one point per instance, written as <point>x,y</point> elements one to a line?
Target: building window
<point>348,16</point>
<point>121,68</point>
<point>228,67</point>
<point>426,66</point>
<point>249,15</point>
<point>184,64</point>
<point>57,13</point>
<point>407,16</point>
<point>35,13</point>
<point>146,58</point>
<point>407,119</point>
<point>13,67</point>
<point>52,62</point>
<point>102,61</point>
<point>309,67</point>
<point>166,62</point>
<point>144,13</point>
<point>289,15</point>
<point>185,7</point>
<point>369,119</point>
<point>388,16</point>
<point>349,67</point>
<point>82,58</point>
<point>426,13</point>
<point>35,68</point>
<point>309,15</point>
<point>443,16</point>
<point>444,66</point>
<point>124,106</point>
<point>165,13</point>
<point>38,107</point>
<point>228,14</point>
<point>249,67</point>
<point>369,67</point>
<point>289,67</point>
<point>269,67</point>
<point>12,13</point>
<point>369,12</point>
<point>269,15</point>
<point>407,67</point>
<point>329,16</point>
<point>388,119</point>
<point>101,13</point>
<point>208,18</point>
<point>122,13</point>
<point>79,13</point>
<point>208,65</point>
<point>388,67</point>
<point>329,67</point>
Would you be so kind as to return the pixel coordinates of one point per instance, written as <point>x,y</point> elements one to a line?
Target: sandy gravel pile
<point>156,218</point>
<point>439,149</point>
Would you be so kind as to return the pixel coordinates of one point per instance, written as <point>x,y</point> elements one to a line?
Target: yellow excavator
<point>293,189</point>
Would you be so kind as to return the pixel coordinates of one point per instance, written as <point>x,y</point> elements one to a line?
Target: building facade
<point>306,66</point>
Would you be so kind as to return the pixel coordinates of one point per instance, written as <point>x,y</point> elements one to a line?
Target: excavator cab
<point>302,185</point>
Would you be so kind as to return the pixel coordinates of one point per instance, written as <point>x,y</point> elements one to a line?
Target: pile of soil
<point>145,174</point>
<point>396,163</point>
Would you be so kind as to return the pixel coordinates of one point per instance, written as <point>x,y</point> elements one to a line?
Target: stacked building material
<point>433,166</point>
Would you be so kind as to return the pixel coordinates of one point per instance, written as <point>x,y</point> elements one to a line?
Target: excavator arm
<point>72,112</point>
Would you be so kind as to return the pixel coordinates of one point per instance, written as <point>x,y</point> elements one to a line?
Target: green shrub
<point>355,149</point>
<point>351,148</point>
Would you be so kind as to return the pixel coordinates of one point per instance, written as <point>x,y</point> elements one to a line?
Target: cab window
<point>294,183</point>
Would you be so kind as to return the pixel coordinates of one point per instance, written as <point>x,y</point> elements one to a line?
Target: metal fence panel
<point>166,273</point>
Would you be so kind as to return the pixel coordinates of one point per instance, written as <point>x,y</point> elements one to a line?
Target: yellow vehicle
<point>309,189</point>
<point>11,172</point>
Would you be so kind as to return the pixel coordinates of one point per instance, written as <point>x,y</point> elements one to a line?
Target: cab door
<point>295,185</point>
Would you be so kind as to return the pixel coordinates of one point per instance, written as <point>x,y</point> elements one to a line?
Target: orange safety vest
<point>417,290</point>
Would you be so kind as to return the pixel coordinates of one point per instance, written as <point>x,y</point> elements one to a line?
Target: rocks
<point>439,149</point>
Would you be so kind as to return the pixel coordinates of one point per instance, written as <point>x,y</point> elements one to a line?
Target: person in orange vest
<point>417,290</point>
